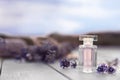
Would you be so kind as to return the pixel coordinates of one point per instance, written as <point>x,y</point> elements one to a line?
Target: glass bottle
<point>88,53</point>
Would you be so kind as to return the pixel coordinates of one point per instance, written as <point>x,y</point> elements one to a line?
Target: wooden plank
<point>13,70</point>
<point>1,65</point>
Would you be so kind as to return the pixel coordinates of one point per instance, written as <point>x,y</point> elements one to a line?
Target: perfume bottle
<point>88,53</point>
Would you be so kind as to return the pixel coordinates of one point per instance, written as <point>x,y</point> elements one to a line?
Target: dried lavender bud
<point>111,70</point>
<point>73,64</point>
<point>18,57</point>
<point>29,57</point>
<point>102,68</point>
<point>24,51</point>
<point>50,56</point>
<point>64,63</point>
<point>47,52</point>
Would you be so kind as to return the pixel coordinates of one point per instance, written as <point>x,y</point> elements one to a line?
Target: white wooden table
<point>14,70</point>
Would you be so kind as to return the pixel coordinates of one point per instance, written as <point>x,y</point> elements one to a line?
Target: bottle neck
<point>88,41</point>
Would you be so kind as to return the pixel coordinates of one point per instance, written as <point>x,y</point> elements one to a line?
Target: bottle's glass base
<point>87,70</point>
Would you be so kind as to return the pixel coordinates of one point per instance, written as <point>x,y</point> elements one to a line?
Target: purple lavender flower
<point>64,63</point>
<point>102,68</point>
<point>111,70</point>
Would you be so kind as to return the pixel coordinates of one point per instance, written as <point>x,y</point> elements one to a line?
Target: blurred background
<point>39,17</point>
<point>31,22</point>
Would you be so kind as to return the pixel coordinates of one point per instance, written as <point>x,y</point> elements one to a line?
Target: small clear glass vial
<point>88,53</point>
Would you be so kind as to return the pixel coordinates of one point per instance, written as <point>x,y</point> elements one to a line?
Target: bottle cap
<point>94,37</point>
<point>88,39</point>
